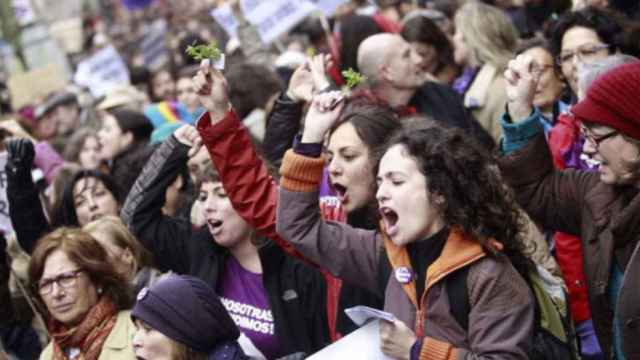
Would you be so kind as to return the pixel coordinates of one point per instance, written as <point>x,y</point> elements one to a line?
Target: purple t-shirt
<point>245,298</point>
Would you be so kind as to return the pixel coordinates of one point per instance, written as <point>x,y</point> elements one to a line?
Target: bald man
<point>393,72</point>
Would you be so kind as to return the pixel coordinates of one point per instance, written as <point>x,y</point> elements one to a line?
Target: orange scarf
<point>88,336</point>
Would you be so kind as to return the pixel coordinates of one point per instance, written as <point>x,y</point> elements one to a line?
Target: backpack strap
<point>458,294</point>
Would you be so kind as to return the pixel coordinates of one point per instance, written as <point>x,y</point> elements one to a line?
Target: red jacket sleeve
<point>252,191</point>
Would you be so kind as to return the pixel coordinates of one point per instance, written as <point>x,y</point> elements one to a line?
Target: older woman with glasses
<point>584,36</point>
<point>85,298</point>
<point>602,207</point>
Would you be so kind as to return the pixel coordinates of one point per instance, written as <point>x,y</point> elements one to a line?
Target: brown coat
<point>608,223</point>
<point>502,310</point>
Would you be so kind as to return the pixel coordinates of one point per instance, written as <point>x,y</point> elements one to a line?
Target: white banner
<point>102,71</point>
<point>272,18</point>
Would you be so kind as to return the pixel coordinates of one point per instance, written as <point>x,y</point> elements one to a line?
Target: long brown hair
<point>180,351</point>
<point>89,255</point>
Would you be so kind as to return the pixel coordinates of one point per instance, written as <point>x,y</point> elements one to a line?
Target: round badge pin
<point>403,275</point>
<point>142,293</point>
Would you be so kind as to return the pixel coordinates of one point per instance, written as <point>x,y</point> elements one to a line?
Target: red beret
<point>614,100</point>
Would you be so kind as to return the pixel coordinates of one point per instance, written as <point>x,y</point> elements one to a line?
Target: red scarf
<point>88,336</point>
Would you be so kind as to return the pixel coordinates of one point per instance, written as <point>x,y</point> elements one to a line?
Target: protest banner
<point>102,72</point>
<point>33,86</point>
<point>271,18</point>
<point>154,45</point>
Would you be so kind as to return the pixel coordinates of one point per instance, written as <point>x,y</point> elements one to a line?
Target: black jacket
<point>445,106</point>
<point>283,123</point>
<point>295,291</point>
<point>25,209</point>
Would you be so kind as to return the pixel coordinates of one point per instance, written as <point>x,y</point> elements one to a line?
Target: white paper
<point>362,344</point>
<point>220,63</point>
<point>362,314</point>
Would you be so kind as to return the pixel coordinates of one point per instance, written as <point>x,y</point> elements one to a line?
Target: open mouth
<point>341,191</point>
<point>215,223</point>
<point>390,219</point>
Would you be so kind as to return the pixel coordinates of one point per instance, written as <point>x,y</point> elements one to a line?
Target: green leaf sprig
<point>353,78</point>
<point>201,52</point>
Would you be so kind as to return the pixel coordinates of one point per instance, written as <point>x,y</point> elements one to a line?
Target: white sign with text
<point>102,71</point>
<point>272,18</point>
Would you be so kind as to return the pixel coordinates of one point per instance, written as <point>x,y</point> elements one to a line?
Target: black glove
<point>20,160</point>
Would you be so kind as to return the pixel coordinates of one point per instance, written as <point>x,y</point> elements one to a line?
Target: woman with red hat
<point>602,207</point>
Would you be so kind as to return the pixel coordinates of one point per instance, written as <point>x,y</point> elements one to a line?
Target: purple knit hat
<point>187,310</point>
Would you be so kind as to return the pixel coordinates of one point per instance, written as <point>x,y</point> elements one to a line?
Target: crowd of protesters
<point>481,184</point>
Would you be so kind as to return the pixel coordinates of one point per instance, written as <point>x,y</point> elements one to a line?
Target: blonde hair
<point>121,237</point>
<point>488,32</point>
<point>180,351</point>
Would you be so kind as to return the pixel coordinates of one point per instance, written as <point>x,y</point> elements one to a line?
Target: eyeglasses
<point>64,280</point>
<point>539,69</point>
<point>596,140</point>
<point>584,53</point>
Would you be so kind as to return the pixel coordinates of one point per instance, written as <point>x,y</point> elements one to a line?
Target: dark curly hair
<point>476,199</point>
<point>607,24</point>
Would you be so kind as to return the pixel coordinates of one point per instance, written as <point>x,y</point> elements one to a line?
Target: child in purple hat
<point>181,317</point>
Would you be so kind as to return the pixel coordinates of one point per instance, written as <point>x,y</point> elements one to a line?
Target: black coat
<point>445,106</point>
<point>299,317</point>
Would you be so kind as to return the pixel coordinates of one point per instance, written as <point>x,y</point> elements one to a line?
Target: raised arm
<point>25,209</point>
<point>552,198</point>
<point>348,253</point>
<point>251,189</point>
<point>166,237</point>
<point>283,122</point>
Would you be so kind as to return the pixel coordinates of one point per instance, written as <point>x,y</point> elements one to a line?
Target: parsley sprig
<point>201,52</point>
<point>353,78</point>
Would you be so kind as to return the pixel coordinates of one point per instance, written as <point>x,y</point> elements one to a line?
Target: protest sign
<point>154,45</point>
<point>40,49</point>
<point>33,86</point>
<point>272,18</point>
<point>328,7</point>
<point>5,220</point>
<point>102,72</point>
<point>68,33</point>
